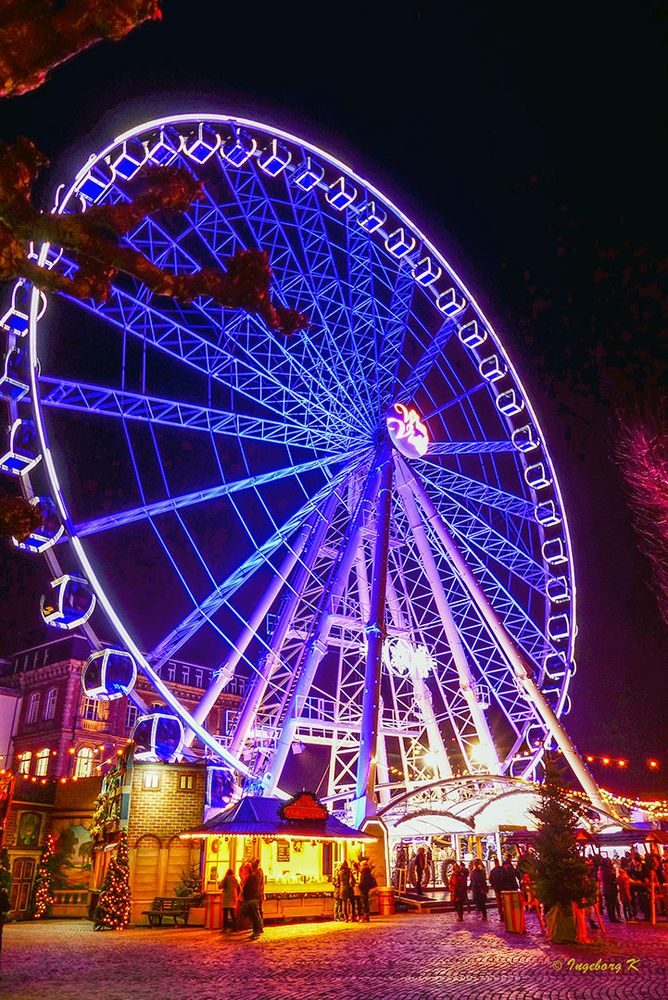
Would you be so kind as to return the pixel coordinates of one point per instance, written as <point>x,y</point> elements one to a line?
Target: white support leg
<point>317,645</point>
<point>522,670</point>
<point>466,680</point>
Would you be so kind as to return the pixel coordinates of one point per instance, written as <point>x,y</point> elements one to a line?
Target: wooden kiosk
<point>299,845</point>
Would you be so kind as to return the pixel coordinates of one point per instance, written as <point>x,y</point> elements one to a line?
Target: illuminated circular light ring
<point>328,371</point>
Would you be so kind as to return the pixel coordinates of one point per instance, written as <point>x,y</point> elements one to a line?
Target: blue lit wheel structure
<point>362,519</point>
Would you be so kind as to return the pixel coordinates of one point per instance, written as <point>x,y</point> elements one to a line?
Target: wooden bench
<point>174,908</point>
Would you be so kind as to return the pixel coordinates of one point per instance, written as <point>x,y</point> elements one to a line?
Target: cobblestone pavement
<point>407,957</point>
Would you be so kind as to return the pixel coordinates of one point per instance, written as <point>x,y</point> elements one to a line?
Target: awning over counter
<point>265,817</point>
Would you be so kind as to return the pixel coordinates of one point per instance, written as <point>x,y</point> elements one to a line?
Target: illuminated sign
<point>304,806</point>
<point>408,433</point>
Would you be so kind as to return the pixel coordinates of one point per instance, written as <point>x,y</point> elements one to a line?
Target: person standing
<point>496,879</point>
<point>252,903</point>
<point>231,891</point>
<point>255,867</point>
<point>624,886</point>
<point>608,880</point>
<point>367,883</point>
<point>479,888</point>
<point>420,867</point>
<point>459,889</point>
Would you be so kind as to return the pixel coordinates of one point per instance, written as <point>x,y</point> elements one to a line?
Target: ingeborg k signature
<point>600,965</point>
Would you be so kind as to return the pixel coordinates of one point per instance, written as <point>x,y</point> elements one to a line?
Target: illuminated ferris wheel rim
<point>238,122</point>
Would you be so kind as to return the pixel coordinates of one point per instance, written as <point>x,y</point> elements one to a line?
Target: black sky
<point>522,138</point>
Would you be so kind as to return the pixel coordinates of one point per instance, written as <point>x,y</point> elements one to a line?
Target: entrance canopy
<point>473,805</point>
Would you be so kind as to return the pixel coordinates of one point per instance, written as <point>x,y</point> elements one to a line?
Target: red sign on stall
<point>304,805</point>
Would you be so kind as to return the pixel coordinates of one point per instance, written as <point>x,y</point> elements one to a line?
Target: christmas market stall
<point>299,845</point>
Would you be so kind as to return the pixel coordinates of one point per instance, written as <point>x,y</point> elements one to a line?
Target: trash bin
<point>512,905</point>
<point>385,900</point>
<point>213,915</point>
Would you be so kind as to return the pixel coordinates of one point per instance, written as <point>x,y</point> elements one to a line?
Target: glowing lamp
<point>621,763</point>
<point>653,763</point>
<point>407,432</point>
<point>158,737</point>
<point>605,760</point>
<point>108,674</point>
<point>590,759</point>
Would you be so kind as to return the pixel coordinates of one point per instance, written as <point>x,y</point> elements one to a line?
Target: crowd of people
<point>243,898</point>
<point>352,888</point>
<point>626,886</point>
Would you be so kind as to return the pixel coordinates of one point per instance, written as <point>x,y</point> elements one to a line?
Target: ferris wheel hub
<point>407,431</point>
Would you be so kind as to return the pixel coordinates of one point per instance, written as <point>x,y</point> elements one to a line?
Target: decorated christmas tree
<point>114,905</point>
<point>560,874</point>
<point>41,898</point>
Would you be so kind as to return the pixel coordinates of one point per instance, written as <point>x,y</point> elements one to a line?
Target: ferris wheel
<point>362,520</point>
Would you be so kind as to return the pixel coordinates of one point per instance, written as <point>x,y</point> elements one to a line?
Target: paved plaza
<point>407,957</point>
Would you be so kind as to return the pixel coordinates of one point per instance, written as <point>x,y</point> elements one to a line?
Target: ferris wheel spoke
<point>504,612</point>
<point>153,510</point>
<point>474,531</point>
<point>394,335</point>
<point>163,331</point>
<point>419,371</point>
<point>473,490</point>
<point>469,447</point>
<point>204,611</point>
<point>274,350</point>
<point>327,286</point>
<point>109,402</point>
<point>457,400</point>
<point>267,230</point>
<point>264,349</point>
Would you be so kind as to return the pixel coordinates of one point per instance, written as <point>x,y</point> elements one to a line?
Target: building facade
<point>57,745</point>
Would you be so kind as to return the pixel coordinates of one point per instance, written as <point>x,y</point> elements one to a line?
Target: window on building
<point>131,713</point>
<point>151,780</point>
<point>185,675</point>
<point>33,707</point>
<point>171,671</point>
<point>42,762</point>
<point>199,677</point>
<point>84,764</point>
<point>24,762</point>
<point>186,782</point>
<point>93,710</point>
<point>50,704</point>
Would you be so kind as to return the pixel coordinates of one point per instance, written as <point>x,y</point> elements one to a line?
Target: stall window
<point>84,765</point>
<point>151,780</point>
<point>42,762</point>
<point>33,708</point>
<point>186,782</point>
<point>24,762</point>
<point>50,704</point>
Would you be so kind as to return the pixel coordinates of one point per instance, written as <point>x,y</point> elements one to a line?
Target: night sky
<point>528,141</point>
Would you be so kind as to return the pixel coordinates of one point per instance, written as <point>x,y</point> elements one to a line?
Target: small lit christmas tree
<point>41,898</point>
<point>114,905</point>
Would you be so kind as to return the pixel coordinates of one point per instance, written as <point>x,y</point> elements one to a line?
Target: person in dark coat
<point>608,879</point>
<point>367,883</point>
<point>496,879</point>
<point>479,888</point>
<point>230,889</point>
<point>420,866</point>
<point>459,889</point>
<point>252,899</point>
<point>510,879</point>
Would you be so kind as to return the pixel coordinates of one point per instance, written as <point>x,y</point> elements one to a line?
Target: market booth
<point>299,845</point>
